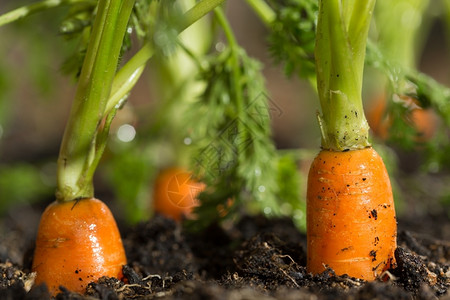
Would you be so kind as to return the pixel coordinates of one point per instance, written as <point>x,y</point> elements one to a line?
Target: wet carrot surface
<point>77,243</point>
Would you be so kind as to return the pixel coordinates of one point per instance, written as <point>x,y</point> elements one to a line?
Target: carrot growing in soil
<point>175,193</point>
<point>76,218</point>
<point>351,224</point>
<point>78,240</point>
<point>397,40</point>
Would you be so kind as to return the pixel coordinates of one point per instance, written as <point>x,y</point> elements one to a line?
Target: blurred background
<point>36,94</point>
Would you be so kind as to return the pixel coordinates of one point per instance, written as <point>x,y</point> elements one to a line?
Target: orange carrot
<point>352,225</point>
<point>376,116</point>
<point>423,120</point>
<point>77,243</point>
<point>175,193</point>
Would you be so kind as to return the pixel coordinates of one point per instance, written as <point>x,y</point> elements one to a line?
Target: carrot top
<point>400,40</point>
<point>82,144</point>
<point>101,91</point>
<point>342,31</point>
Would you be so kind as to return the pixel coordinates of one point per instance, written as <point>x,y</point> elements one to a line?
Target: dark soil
<point>256,258</point>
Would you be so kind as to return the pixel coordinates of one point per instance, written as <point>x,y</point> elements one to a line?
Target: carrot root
<point>351,223</point>
<point>77,243</point>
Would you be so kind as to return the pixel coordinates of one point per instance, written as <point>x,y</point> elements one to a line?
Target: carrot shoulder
<point>351,225</point>
<point>77,243</point>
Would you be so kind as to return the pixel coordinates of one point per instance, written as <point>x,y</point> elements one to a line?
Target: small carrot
<point>423,120</point>
<point>175,193</point>
<point>376,116</point>
<point>77,243</point>
<point>351,224</point>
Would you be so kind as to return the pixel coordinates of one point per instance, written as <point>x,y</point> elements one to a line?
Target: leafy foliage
<point>229,125</point>
<point>234,153</point>
<point>429,94</point>
<point>130,172</point>
<point>76,26</point>
<point>291,190</point>
<point>156,21</point>
<point>292,35</point>
<point>21,183</point>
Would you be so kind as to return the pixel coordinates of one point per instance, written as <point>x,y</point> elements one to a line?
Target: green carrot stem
<point>340,50</point>
<point>399,25</point>
<point>236,79</point>
<point>198,11</point>
<point>128,75</point>
<point>447,15</point>
<point>234,47</point>
<point>78,157</point>
<point>24,11</point>
<point>263,10</point>
<point>100,91</point>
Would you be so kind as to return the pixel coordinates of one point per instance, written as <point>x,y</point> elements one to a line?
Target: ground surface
<point>256,258</point>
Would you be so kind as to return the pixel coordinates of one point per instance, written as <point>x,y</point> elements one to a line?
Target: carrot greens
<point>100,90</point>
<point>340,51</point>
<point>84,139</point>
<point>27,10</point>
<point>230,132</point>
<point>292,36</point>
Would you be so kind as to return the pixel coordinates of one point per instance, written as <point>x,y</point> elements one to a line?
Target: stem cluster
<point>83,142</point>
<point>340,49</point>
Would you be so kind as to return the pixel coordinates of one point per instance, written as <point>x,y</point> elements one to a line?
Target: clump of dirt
<point>257,258</point>
<point>159,247</point>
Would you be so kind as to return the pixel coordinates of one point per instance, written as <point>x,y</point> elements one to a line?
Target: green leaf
<point>291,190</point>
<point>129,170</point>
<point>21,183</point>
<point>292,36</point>
<point>233,151</point>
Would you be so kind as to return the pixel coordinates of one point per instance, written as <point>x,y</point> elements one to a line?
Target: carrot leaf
<point>292,36</point>
<point>229,126</point>
<point>428,93</point>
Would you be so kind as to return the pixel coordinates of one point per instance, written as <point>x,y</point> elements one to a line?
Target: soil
<point>256,258</point>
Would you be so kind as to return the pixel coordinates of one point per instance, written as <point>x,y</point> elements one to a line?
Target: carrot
<point>423,120</point>
<point>175,193</point>
<point>78,240</point>
<point>376,116</point>
<point>351,225</point>
<point>351,220</point>
<point>77,243</point>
